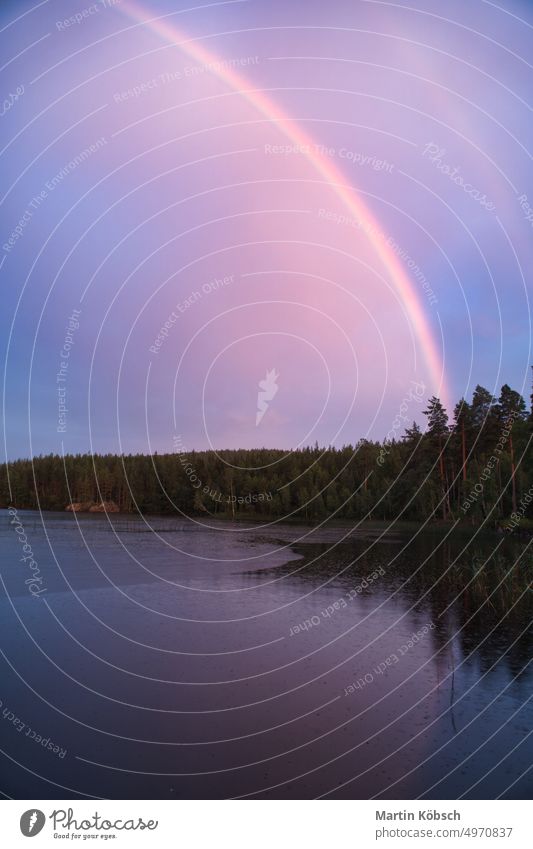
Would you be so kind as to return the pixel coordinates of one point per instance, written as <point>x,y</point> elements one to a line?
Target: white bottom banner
<point>264,824</point>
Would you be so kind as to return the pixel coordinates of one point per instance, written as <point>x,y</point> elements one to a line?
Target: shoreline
<point>365,526</point>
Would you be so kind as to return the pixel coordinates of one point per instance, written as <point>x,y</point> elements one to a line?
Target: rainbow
<point>326,168</point>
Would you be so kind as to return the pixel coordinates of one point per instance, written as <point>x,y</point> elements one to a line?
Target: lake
<point>165,659</point>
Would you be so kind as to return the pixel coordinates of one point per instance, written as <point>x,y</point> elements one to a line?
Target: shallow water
<point>178,661</point>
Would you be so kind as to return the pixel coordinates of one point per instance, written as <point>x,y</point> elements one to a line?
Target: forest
<point>476,468</point>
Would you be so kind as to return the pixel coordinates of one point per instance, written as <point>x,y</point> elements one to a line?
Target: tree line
<point>478,467</point>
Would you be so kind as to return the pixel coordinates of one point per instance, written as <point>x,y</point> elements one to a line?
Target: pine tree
<point>437,430</point>
<point>462,423</point>
<point>412,435</point>
<point>511,406</point>
<point>531,407</point>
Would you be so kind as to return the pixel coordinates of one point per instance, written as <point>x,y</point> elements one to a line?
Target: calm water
<point>174,664</point>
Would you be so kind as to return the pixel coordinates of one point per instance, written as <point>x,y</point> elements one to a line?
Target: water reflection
<point>195,663</point>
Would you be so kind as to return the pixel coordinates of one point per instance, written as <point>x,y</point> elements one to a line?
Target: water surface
<point>171,660</point>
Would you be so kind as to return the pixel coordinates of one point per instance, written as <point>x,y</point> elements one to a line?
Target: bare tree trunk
<point>513,470</point>
<point>232,501</point>
<point>463,442</point>
<point>442,478</point>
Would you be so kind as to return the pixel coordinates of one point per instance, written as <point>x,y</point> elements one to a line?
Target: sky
<point>322,209</point>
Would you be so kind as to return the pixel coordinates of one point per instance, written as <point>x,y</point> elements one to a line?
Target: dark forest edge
<point>478,468</point>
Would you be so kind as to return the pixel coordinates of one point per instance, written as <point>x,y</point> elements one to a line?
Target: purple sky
<point>202,249</point>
